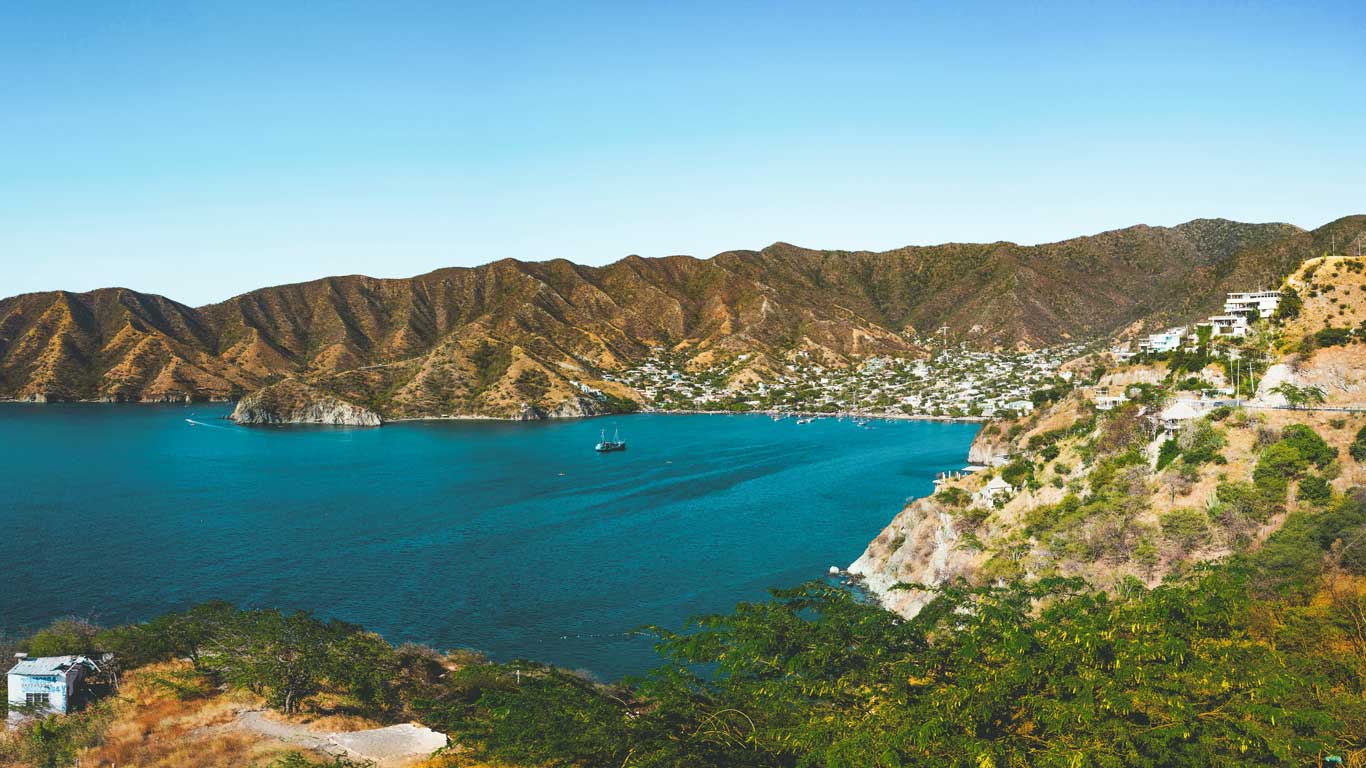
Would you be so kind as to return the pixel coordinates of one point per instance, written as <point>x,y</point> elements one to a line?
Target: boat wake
<point>194,423</point>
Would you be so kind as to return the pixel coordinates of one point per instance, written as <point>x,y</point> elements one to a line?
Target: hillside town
<point>953,382</point>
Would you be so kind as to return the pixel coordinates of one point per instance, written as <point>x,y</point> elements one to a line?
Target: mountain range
<point>527,338</point>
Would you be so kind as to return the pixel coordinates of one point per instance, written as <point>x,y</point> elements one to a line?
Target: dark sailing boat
<point>604,445</point>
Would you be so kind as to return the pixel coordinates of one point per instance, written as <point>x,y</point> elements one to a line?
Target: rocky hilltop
<point>524,340</point>
<point>1145,490</point>
<point>294,402</point>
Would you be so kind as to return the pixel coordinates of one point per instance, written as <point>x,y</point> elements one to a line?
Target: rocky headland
<point>294,402</point>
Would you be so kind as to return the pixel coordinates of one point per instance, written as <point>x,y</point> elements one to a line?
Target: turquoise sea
<point>513,538</point>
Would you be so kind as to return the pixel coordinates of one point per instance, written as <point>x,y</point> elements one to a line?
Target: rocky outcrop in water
<point>572,408</point>
<point>293,402</point>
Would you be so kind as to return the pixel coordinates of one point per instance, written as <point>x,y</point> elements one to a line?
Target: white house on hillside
<point>1221,327</point>
<point>1165,341</point>
<point>1263,303</point>
<point>46,683</point>
<point>996,487</point>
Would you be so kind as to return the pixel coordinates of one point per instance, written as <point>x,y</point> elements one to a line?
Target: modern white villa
<point>1240,309</point>
<point>1263,303</point>
<point>1164,341</point>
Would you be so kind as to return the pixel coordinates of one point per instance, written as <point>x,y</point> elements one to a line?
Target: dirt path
<point>396,746</point>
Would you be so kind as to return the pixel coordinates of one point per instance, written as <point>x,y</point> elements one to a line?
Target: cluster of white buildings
<point>953,382</point>
<point>1240,309</point>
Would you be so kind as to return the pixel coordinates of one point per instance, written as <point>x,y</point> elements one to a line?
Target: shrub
<point>1314,489</point>
<point>1358,448</point>
<point>56,740</point>
<point>1186,527</point>
<point>1333,337</point>
<point>1312,447</point>
<point>1017,472</point>
<point>1167,453</point>
<point>1279,462</point>
<point>1200,442</point>
<point>953,497</point>
<point>1245,503</point>
<point>1122,430</point>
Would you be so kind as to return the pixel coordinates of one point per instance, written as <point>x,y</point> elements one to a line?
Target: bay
<point>516,539</point>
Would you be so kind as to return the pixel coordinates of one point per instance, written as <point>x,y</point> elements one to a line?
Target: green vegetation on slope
<point>1258,661</point>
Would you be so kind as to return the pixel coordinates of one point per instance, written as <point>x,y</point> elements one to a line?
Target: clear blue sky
<point>202,149</point>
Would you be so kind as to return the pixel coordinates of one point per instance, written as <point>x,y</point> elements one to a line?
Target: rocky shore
<point>921,545</point>
<point>293,402</point>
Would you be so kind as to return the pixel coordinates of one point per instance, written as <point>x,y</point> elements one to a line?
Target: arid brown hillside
<point>511,338</point>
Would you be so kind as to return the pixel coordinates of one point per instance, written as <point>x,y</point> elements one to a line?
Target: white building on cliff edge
<point>46,684</point>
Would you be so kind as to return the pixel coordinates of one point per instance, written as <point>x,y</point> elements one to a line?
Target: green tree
<point>69,636</point>
<point>1333,337</point>
<point>1300,397</point>
<point>1278,464</point>
<point>1313,448</point>
<point>1017,472</point>
<point>1289,306</point>
<point>282,657</point>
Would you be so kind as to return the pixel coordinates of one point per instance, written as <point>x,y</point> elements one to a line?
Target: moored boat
<point>606,446</point>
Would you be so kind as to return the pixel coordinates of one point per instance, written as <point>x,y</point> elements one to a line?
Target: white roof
<point>997,484</point>
<point>1181,410</point>
<point>46,665</point>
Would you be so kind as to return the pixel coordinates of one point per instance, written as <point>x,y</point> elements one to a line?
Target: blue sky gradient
<point>199,150</point>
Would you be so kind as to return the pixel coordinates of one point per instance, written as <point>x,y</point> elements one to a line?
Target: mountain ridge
<point>511,338</point>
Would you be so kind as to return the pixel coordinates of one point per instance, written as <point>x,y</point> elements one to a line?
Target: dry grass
<point>1334,295</point>
<point>157,729</point>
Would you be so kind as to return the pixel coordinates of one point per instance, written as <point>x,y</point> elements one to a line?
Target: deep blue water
<point>516,539</point>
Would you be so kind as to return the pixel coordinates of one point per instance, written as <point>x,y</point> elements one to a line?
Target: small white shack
<point>996,487</point>
<point>1178,413</point>
<point>46,683</point>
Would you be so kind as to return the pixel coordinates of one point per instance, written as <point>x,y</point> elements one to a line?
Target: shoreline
<point>823,415</point>
<point>477,417</point>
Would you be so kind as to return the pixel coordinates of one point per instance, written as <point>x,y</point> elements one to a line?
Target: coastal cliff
<point>293,402</point>
<point>1145,489</point>
<point>921,545</point>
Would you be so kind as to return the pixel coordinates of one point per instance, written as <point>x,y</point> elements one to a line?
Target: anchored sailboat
<point>604,445</point>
